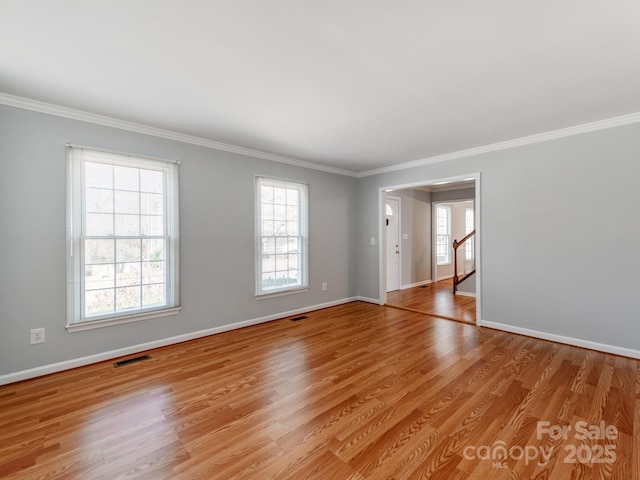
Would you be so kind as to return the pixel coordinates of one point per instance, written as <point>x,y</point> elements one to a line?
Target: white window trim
<point>304,229</point>
<point>93,324</point>
<point>449,247</point>
<point>75,263</point>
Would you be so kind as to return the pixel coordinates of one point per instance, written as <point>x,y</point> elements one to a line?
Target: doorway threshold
<point>431,314</point>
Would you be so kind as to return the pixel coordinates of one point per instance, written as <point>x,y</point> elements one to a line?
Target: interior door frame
<point>434,234</point>
<point>399,217</point>
<point>382,244</point>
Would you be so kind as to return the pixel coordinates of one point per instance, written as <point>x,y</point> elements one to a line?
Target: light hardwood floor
<point>435,299</point>
<point>355,392</point>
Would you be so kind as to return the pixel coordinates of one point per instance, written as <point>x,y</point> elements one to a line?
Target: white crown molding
<point>51,109</point>
<point>517,142</point>
<point>73,114</point>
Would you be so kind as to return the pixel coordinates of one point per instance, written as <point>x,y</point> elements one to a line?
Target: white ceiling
<point>356,85</point>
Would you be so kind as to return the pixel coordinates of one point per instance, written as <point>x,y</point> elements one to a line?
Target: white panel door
<point>393,243</point>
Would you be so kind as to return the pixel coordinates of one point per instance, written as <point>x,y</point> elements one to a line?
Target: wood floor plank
<point>435,299</point>
<point>357,392</point>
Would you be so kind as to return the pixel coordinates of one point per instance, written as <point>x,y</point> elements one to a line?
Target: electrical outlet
<point>324,286</point>
<point>37,335</point>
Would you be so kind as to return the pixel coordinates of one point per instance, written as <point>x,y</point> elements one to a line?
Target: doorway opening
<point>453,221</point>
<point>424,255</point>
<point>392,229</point>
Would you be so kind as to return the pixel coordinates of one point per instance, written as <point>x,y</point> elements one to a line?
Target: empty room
<point>319,240</point>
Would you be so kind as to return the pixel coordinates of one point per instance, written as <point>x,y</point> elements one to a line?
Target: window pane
<point>128,274</point>
<point>282,280</point>
<point>292,228</point>
<point>153,249</point>
<point>127,225</point>
<point>269,246</point>
<point>294,278</point>
<point>98,251</point>
<point>266,194</point>
<point>267,211</point>
<point>99,301</point>
<point>293,197</point>
<point>279,228</point>
<point>98,224</point>
<point>282,245</point>
<point>99,200</point>
<point>152,225</point>
<point>126,178</point>
<point>292,213</point>
<point>127,202</point>
<point>151,204</point>
<point>268,280</point>
<point>280,212</point>
<point>151,181</point>
<point>153,272</point>
<point>128,298</point>
<point>267,227</point>
<point>268,264</point>
<point>294,245</point>
<point>99,276</point>
<point>282,263</point>
<point>279,196</point>
<point>98,175</point>
<point>153,295</point>
<point>128,250</point>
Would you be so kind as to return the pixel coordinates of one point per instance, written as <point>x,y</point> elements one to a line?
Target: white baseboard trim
<point>417,284</point>
<point>446,277</point>
<point>576,342</point>
<point>369,300</point>
<point>465,294</point>
<point>111,354</point>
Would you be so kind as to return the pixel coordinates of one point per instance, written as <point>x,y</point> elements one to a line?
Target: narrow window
<point>122,237</point>
<point>469,226</point>
<point>281,236</point>
<point>443,234</point>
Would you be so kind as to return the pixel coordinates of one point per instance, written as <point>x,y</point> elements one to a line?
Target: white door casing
<point>392,215</point>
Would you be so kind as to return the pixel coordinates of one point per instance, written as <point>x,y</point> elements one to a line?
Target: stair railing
<point>459,279</point>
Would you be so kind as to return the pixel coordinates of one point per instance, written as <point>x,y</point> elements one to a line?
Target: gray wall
<point>416,223</point>
<point>535,200</point>
<point>216,235</point>
<point>554,220</point>
<point>468,285</point>
<point>454,195</point>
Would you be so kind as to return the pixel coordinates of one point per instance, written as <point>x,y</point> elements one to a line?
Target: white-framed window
<point>122,235</point>
<point>281,236</point>
<point>443,234</point>
<point>468,228</point>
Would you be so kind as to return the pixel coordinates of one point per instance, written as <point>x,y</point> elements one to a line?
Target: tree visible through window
<point>281,235</point>
<point>123,234</point>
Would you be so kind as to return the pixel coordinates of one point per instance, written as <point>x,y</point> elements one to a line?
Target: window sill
<point>93,324</point>
<point>281,293</point>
